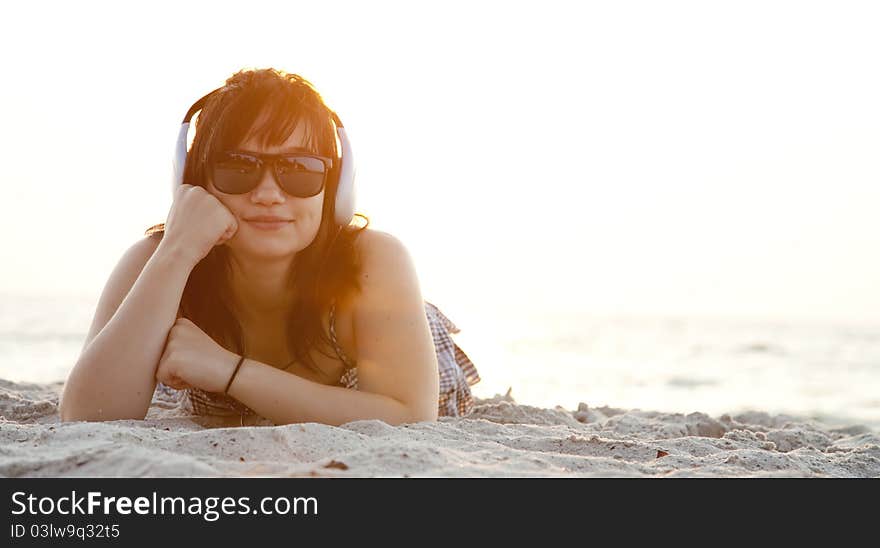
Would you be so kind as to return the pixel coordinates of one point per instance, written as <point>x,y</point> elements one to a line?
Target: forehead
<point>296,142</point>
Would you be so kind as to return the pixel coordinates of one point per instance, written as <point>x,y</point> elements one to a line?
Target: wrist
<point>239,362</point>
<point>176,255</point>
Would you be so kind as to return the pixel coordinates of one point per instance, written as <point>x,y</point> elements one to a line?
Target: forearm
<point>115,375</point>
<point>286,398</point>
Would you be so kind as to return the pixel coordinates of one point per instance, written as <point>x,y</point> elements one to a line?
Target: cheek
<point>309,209</point>
<point>316,206</point>
<point>309,218</point>
<point>312,216</point>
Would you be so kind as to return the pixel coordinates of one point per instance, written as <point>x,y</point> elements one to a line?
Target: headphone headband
<point>343,210</point>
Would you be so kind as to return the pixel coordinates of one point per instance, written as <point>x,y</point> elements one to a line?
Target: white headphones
<point>344,206</point>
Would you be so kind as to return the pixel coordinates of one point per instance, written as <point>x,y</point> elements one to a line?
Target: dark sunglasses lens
<point>301,175</point>
<point>236,173</point>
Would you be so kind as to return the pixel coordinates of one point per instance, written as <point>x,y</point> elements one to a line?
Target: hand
<point>197,222</point>
<point>192,359</point>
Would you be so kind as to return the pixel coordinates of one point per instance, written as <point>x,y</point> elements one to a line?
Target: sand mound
<point>500,438</point>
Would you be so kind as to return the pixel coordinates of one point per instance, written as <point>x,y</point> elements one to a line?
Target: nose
<point>268,190</point>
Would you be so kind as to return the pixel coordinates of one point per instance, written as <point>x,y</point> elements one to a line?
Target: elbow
<point>67,416</point>
<point>66,411</point>
<point>69,413</point>
<point>77,404</point>
<point>96,416</point>
<point>420,414</point>
<point>430,416</point>
<point>72,413</point>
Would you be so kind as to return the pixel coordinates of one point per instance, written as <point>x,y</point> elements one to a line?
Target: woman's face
<point>268,198</point>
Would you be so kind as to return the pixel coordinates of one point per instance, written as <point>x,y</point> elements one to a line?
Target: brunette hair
<point>325,270</point>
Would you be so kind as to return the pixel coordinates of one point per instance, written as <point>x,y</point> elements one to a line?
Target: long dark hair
<point>325,270</point>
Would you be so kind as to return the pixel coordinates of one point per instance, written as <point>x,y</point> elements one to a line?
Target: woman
<point>253,301</point>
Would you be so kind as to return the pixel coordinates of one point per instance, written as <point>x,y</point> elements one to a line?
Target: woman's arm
<point>398,379</point>
<point>115,375</point>
<point>286,398</point>
<point>191,358</point>
<point>397,363</point>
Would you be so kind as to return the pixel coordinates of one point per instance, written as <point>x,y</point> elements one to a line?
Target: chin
<point>268,249</point>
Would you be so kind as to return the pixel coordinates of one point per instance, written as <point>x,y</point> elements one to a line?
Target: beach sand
<point>499,439</point>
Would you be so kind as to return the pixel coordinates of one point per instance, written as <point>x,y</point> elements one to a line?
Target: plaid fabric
<point>457,371</point>
<point>457,374</point>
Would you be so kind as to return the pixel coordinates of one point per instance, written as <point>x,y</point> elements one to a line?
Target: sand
<point>499,439</point>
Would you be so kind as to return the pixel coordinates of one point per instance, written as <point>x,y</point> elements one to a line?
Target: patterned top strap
<point>349,363</point>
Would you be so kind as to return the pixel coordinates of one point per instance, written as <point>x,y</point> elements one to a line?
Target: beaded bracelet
<point>226,391</point>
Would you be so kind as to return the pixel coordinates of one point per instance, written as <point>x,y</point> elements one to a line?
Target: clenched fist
<point>192,359</point>
<point>197,221</point>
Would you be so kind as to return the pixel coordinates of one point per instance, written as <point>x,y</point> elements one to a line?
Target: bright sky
<point>620,157</point>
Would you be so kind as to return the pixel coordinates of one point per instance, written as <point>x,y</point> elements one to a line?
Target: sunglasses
<point>300,174</point>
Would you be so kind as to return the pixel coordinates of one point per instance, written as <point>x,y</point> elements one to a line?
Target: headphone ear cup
<point>178,161</point>
<point>345,194</point>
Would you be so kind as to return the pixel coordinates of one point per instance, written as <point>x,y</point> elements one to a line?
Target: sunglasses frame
<point>272,159</point>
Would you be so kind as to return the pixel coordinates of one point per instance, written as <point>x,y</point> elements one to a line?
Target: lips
<point>268,219</point>
<point>268,222</point>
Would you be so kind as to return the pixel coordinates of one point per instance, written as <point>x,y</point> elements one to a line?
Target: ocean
<point>550,357</point>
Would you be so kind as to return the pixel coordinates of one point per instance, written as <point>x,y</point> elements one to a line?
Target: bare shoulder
<point>369,238</point>
<point>394,346</point>
<point>388,277</point>
<point>382,254</point>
